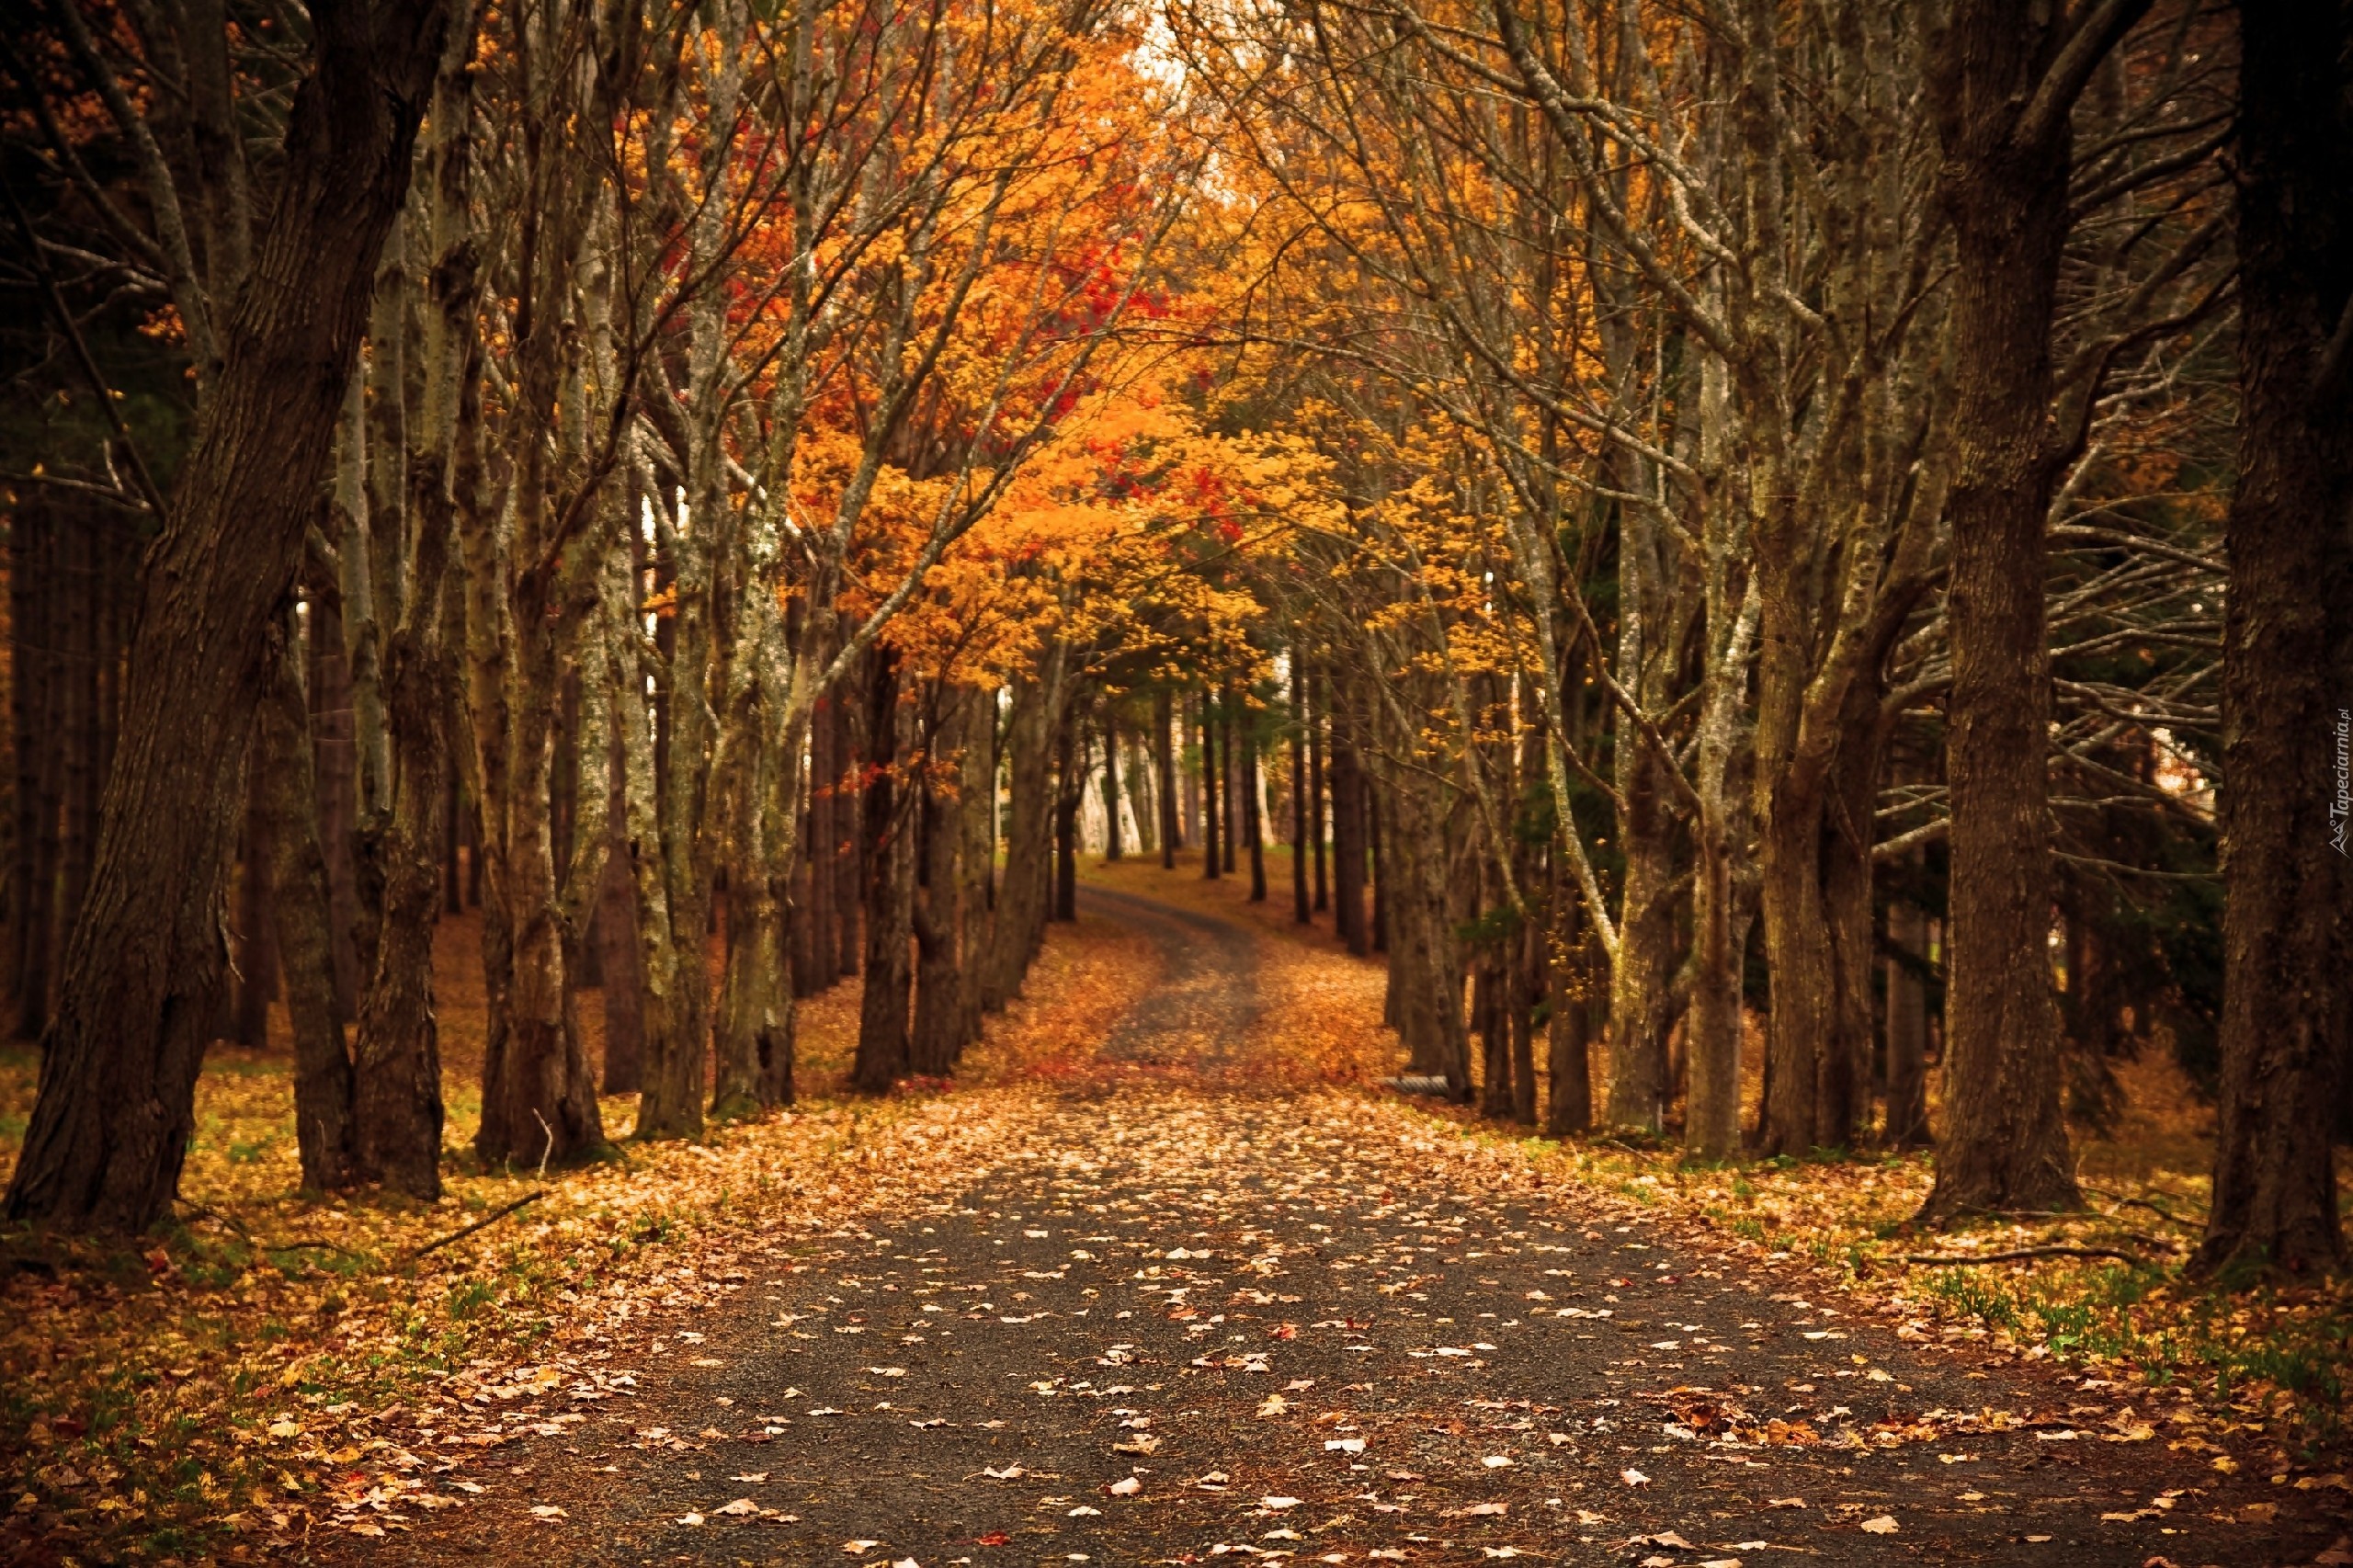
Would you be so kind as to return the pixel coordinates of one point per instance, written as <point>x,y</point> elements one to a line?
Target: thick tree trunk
<point>2287,1032</point>
<point>2004,181</point>
<point>110,1128</point>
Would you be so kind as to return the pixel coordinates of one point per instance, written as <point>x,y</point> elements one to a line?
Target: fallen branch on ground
<point>488,1219</point>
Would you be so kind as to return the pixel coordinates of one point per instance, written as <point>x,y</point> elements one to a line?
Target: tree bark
<point>1164,750</point>
<point>1907,1026</point>
<point>2001,106</point>
<point>110,1126</point>
<point>882,1059</point>
<point>1111,783</point>
<point>940,890</point>
<point>1253,829</point>
<point>1348,841</point>
<point>1210,867</point>
<point>2287,658</point>
<point>324,1130</point>
<point>1301,911</point>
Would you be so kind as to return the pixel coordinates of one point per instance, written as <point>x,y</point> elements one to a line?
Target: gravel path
<point>1190,1321</point>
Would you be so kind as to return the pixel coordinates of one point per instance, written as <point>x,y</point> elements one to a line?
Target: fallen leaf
<point>1884,1525</point>
<point>1633,1478</point>
<point>1126,1486</point>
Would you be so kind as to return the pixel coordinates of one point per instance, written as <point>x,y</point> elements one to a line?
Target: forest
<point>605,576</point>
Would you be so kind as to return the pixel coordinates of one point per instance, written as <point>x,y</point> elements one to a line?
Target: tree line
<point>1832,514</point>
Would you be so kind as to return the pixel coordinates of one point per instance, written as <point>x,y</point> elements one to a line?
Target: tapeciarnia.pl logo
<point>2340,810</point>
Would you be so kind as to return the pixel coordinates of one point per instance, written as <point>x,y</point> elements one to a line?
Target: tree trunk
<point>1164,747</point>
<point>256,947</point>
<point>1069,790</point>
<point>1301,911</point>
<point>1210,867</point>
<point>1568,1107</point>
<point>616,930</point>
<point>1253,829</point>
<point>109,1130</point>
<point>32,687</point>
<point>1029,853</point>
<point>2004,180</point>
<point>324,1130</point>
<point>850,875</point>
<point>1907,1026</point>
<point>940,890</point>
<point>890,859</point>
<point>2287,652</point>
<point>1348,843</point>
<point>976,814</point>
<point>1638,997</point>
<point>1227,777</point>
<point>1111,783</point>
<point>1317,692</point>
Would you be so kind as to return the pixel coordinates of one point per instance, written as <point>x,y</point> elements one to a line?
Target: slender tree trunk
<point>1227,777</point>
<point>939,891</point>
<point>1111,783</point>
<point>1907,1026</point>
<point>1639,1001</point>
<point>325,1131</point>
<point>1319,688</point>
<point>977,813</point>
<point>849,834</point>
<point>1028,854</point>
<point>889,854</point>
<point>1070,789</point>
<point>256,949</point>
<point>1348,843</point>
<point>110,1126</point>
<point>1164,747</point>
<point>1210,867</point>
<point>624,985</point>
<point>1301,911</point>
<point>1252,829</point>
<point>1568,1106</point>
<point>2287,1035</point>
<point>31,689</point>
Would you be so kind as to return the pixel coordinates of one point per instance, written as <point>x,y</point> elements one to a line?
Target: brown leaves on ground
<point>276,1365</point>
